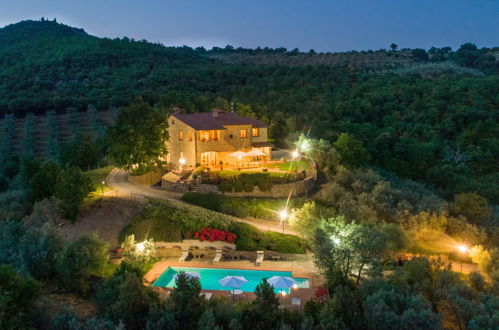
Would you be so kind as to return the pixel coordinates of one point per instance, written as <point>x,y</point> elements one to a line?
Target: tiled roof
<point>206,120</point>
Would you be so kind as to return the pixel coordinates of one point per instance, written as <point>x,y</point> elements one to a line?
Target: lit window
<point>243,133</point>
<point>204,135</point>
<point>181,135</point>
<point>214,135</point>
<point>255,132</point>
<point>190,135</point>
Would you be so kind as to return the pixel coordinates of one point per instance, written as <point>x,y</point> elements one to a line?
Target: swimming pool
<point>209,278</point>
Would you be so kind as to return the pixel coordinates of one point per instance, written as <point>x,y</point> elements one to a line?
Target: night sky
<point>334,25</point>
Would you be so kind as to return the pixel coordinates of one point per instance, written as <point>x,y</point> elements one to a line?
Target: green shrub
<point>248,187</point>
<point>163,221</point>
<point>238,186</point>
<point>225,186</point>
<point>265,185</point>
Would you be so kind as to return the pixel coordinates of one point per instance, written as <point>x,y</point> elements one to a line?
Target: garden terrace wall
<point>187,243</point>
<point>298,188</point>
<point>148,178</point>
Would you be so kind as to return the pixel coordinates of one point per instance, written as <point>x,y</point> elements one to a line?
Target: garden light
<point>463,249</point>
<point>295,154</point>
<point>181,161</point>
<point>295,286</point>
<point>283,293</point>
<point>336,240</point>
<point>283,214</point>
<point>140,247</point>
<point>305,145</point>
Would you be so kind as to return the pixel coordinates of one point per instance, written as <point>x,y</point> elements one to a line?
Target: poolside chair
<point>184,256</point>
<point>206,295</point>
<point>218,257</point>
<point>295,301</point>
<point>259,258</point>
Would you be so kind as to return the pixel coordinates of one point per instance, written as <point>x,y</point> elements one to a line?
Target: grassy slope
<point>98,176</point>
<point>164,221</point>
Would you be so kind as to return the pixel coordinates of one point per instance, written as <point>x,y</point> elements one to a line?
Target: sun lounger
<point>218,257</point>
<point>207,295</point>
<point>259,258</point>
<point>184,256</point>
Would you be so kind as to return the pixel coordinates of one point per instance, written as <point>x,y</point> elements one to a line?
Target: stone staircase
<point>193,186</point>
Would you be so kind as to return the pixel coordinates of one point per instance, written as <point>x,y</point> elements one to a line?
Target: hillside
<point>430,116</point>
<point>45,65</point>
<point>372,61</point>
<point>42,135</point>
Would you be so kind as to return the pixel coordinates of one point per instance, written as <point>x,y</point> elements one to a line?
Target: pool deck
<point>299,268</point>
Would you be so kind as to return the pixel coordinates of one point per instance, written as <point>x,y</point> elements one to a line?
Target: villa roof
<point>216,120</point>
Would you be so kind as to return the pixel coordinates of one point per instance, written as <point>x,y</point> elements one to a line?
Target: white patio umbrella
<point>255,153</point>
<point>233,282</point>
<point>188,274</point>
<point>238,154</point>
<point>281,282</point>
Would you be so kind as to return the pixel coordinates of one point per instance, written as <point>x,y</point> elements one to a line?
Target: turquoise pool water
<point>209,278</point>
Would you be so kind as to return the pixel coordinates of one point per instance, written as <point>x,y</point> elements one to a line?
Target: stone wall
<point>187,243</point>
<point>148,178</point>
<point>174,186</point>
<point>298,188</point>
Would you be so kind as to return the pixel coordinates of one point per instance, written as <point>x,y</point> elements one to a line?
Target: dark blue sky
<point>334,25</point>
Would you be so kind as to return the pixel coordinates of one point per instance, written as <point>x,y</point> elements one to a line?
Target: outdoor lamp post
<point>283,294</point>
<point>140,247</point>
<point>181,161</point>
<point>463,249</point>
<point>283,215</point>
<point>304,145</point>
<point>102,188</point>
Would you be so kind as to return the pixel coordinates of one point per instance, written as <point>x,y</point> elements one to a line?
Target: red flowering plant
<point>211,235</point>
<point>321,294</point>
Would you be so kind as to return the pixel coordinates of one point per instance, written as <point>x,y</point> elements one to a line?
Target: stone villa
<point>212,138</point>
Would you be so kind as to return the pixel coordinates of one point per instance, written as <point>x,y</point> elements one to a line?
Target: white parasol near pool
<point>281,282</point>
<point>255,153</point>
<point>238,154</point>
<point>233,282</point>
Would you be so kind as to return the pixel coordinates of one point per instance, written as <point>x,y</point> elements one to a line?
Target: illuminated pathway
<point>117,180</point>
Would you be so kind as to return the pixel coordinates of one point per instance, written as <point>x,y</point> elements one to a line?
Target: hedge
<point>237,181</point>
<point>164,221</point>
<point>242,207</point>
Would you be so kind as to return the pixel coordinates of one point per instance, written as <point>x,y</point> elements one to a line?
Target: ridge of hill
<point>29,30</point>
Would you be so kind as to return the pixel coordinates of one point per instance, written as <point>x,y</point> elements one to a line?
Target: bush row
<point>163,221</point>
<point>229,181</point>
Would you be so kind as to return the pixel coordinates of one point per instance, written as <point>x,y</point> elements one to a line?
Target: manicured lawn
<point>164,221</point>
<point>298,165</point>
<point>97,176</point>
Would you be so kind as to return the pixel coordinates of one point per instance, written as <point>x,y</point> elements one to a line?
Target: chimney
<point>216,113</point>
